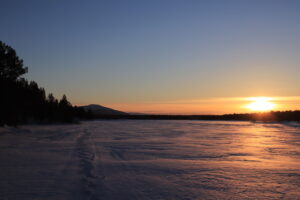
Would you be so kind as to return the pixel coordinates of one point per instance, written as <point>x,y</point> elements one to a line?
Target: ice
<point>150,159</point>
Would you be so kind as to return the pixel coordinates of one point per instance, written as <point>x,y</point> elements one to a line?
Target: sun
<point>261,104</point>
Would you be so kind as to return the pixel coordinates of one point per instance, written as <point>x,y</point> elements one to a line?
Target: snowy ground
<point>150,160</point>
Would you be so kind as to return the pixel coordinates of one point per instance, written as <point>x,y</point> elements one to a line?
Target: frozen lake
<point>150,160</point>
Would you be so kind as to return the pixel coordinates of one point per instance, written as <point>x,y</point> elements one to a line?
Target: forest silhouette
<point>23,101</point>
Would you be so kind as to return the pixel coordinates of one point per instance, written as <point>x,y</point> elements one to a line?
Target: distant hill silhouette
<point>99,110</point>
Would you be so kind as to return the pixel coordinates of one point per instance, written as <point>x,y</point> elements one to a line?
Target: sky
<point>159,56</point>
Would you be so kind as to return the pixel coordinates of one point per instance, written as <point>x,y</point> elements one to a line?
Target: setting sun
<point>260,104</point>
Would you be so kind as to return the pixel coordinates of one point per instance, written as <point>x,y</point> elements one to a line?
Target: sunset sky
<point>159,56</point>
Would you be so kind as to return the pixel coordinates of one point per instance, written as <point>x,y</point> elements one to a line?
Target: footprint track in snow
<point>86,163</point>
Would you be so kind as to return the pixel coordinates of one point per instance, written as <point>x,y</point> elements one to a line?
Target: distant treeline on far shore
<point>272,116</point>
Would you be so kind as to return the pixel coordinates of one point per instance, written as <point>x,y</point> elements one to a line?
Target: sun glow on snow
<point>260,104</point>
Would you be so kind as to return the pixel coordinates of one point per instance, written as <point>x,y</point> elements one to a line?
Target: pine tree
<point>11,66</point>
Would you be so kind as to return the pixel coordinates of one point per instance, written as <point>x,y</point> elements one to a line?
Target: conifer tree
<point>11,66</point>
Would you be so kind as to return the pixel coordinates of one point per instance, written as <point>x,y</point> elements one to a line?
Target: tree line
<point>271,116</point>
<point>23,101</point>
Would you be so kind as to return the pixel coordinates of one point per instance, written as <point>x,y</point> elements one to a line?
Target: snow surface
<point>150,160</point>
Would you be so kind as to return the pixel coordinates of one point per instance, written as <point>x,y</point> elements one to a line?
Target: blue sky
<point>127,52</point>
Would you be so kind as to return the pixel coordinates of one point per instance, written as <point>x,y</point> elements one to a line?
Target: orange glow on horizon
<point>261,104</point>
<point>220,105</point>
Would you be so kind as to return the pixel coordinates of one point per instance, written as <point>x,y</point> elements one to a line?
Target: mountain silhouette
<point>101,110</point>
